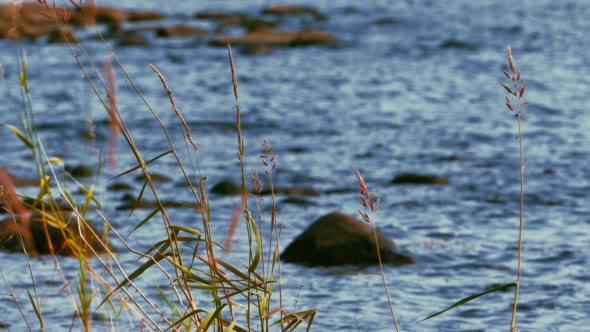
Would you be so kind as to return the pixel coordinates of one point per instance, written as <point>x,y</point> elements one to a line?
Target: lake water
<point>390,98</point>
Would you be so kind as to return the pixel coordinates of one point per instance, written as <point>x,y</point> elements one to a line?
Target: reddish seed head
<point>511,61</point>
<point>507,88</point>
<point>509,106</point>
<point>522,90</point>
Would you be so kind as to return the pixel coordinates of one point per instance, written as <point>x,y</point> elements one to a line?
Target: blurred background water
<point>408,85</point>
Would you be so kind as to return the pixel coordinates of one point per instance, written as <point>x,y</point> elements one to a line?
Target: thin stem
<point>521,215</point>
<point>384,280</point>
<point>369,201</point>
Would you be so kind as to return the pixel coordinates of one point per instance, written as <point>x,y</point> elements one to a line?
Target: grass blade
<point>473,297</point>
<point>35,308</point>
<point>21,136</point>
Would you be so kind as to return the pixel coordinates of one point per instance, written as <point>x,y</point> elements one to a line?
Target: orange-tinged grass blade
<point>233,226</point>
<point>9,195</point>
<point>240,274</point>
<point>174,326</point>
<point>112,98</point>
<point>295,319</point>
<point>211,317</point>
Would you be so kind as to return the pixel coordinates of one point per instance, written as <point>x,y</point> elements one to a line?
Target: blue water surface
<point>408,85</point>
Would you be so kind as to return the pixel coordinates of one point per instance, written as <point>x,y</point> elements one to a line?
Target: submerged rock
<point>41,236</point>
<point>458,44</point>
<point>180,31</point>
<point>292,10</point>
<point>339,239</point>
<point>56,231</point>
<point>277,38</point>
<point>227,187</point>
<point>35,19</point>
<point>411,178</point>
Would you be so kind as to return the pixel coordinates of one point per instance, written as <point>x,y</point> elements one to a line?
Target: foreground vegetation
<point>239,296</point>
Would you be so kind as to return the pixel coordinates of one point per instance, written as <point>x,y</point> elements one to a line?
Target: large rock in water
<point>338,239</point>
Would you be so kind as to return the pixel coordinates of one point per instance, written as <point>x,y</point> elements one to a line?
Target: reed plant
<point>514,103</point>
<point>208,292</point>
<point>371,204</point>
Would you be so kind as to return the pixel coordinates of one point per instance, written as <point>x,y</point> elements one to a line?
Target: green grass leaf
<point>35,308</point>
<point>21,136</point>
<point>472,297</point>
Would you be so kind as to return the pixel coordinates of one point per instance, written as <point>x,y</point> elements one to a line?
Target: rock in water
<point>40,236</point>
<point>338,239</point>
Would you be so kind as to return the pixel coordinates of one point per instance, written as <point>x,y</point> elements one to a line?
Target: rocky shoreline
<point>257,32</point>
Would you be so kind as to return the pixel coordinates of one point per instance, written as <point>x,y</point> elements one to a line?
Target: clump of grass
<point>203,292</point>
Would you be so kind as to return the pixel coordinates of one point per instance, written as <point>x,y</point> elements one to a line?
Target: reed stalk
<point>517,92</point>
<point>369,202</point>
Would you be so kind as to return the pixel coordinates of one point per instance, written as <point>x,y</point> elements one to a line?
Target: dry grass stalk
<point>176,111</point>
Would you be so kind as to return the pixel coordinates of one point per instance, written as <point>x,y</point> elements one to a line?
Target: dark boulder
<point>144,16</point>
<point>288,10</point>
<point>41,235</point>
<point>180,31</point>
<point>80,171</point>
<point>293,191</point>
<point>458,44</point>
<point>227,187</point>
<point>337,239</point>
<point>411,178</point>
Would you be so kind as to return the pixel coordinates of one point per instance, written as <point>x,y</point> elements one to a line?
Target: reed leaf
<point>140,270</point>
<point>187,230</point>
<point>472,297</point>
<point>211,317</point>
<point>258,249</point>
<point>295,319</point>
<point>35,308</point>
<point>174,325</point>
<point>146,219</point>
<point>133,169</point>
<point>237,272</point>
<point>20,135</point>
